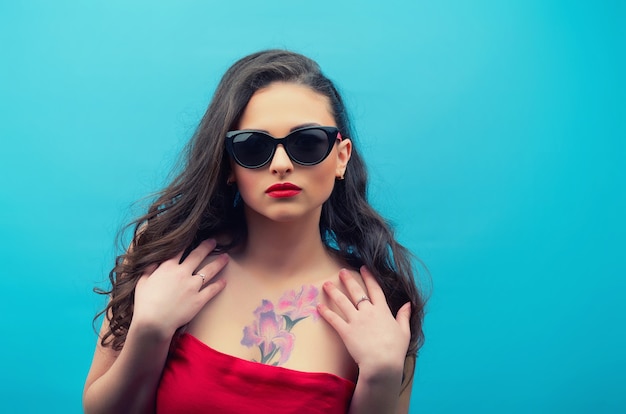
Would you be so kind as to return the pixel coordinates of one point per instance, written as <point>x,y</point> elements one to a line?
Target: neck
<point>283,249</point>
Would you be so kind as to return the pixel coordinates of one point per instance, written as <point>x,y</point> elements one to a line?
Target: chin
<point>291,215</point>
<point>285,217</point>
<point>286,213</point>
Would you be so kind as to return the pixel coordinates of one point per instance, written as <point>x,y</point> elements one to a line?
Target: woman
<point>261,280</point>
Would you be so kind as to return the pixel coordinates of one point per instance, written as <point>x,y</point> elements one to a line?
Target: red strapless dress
<point>199,379</point>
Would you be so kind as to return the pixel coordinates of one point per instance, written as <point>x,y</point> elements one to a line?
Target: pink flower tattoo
<point>271,329</point>
<point>296,306</point>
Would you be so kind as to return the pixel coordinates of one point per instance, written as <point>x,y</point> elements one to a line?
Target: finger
<point>344,304</point>
<point>332,318</point>
<point>376,294</point>
<point>176,259</point>
<point>355,290</point>
<point>209,290</point>
<point>403,317</point>
<point>202,277</point>
<point>214,267</point>
<point>197,255</point>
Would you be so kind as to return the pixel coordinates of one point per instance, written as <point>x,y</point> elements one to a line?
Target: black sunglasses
<point>305,146</point>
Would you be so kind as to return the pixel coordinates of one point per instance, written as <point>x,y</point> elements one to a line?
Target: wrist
<point>152,331</point>
<point>377,390</point>
<point>379,374</point>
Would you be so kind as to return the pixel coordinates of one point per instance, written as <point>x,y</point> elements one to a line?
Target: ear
<point>231,179</point>
<point>344,151</point>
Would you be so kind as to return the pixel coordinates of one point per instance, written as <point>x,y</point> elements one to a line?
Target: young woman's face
<point>283,190</point>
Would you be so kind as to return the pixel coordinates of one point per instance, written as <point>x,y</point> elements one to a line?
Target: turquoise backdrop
<point>495,134</point>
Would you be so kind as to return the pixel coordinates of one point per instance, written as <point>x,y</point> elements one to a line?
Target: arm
<point>166,297</point>
<point>376,340</point>
<point>405,395</point>
<point>126,381</point>
<point>380,397</point>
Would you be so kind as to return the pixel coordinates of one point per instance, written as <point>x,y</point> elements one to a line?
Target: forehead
<point>280,106</point>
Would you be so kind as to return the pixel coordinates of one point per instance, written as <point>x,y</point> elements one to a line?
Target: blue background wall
<point>495,134</point>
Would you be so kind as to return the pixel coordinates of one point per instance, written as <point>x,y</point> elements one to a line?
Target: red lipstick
<point>283,190</point>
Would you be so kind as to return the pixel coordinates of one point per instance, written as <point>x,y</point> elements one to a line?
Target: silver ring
<point>201,275</point>
<point>363,299</point>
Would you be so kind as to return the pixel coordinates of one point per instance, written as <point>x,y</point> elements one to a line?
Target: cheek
<point>245,182</point>
<point>325,179</point>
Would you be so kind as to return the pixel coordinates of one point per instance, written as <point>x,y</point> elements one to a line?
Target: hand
<point>169,295</point>
<point>376,340</point>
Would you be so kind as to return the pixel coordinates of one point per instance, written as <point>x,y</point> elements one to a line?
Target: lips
<point>283,190</point>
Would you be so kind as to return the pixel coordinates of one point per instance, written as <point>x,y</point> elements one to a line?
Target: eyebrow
<point>294,128</point>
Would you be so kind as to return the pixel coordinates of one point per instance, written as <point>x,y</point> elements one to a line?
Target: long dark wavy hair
<point>198,203</point>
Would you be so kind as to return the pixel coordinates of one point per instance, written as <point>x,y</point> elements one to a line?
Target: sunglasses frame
<point>332,133</point>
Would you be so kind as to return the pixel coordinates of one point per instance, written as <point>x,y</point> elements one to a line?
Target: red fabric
<point>199,379</point>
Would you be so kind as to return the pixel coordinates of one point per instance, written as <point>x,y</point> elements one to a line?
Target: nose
<point>281,163</point>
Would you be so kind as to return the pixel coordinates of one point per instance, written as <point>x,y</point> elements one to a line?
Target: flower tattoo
<point>271,329</point>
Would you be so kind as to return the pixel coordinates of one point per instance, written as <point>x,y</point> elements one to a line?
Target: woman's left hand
<point>376,340</point>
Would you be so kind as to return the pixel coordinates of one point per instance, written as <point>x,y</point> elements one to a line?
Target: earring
<point>237,199</point>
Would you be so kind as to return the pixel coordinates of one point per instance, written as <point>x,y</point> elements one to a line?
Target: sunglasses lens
<point>252,149</point>
<point>309,146</point>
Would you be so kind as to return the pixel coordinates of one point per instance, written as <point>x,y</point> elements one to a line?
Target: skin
<point>283,251</point>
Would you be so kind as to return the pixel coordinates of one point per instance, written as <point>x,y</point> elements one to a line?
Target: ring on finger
<point>203,276</point>
<point>363,299</point>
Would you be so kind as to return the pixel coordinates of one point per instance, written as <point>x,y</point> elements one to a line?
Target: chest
<point>274,324</point>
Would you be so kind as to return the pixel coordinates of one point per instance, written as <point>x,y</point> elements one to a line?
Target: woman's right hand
<point>169,295</point>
